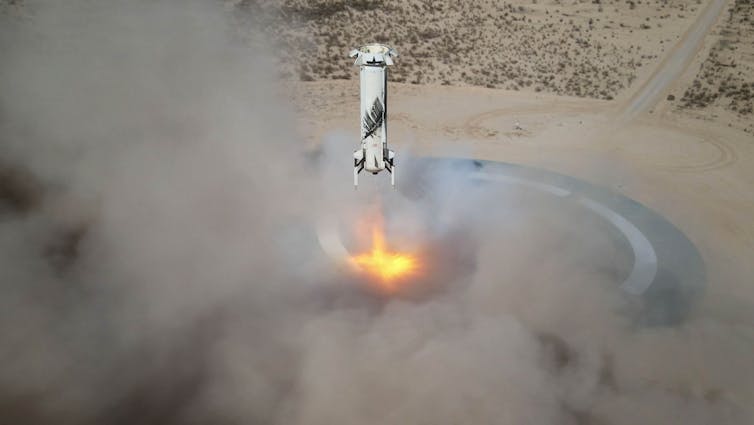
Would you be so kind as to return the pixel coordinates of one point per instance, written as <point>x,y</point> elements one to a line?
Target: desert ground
<point>687,153</point>
<point>165,167</point>
<point>689,158</point>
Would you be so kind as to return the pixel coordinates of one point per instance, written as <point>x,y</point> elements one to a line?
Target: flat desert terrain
<point>655,102</point>
<point>181,242</point>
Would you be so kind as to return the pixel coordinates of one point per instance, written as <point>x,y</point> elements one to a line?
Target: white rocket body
<point>373,155</point>
<point>373,104</point>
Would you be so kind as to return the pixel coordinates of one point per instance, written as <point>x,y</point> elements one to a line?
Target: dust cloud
<point>160,264</point>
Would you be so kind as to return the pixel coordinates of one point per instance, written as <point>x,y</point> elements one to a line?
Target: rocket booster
<point>373,155</point>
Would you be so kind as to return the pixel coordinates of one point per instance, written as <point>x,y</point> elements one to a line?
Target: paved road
<point>675,63</point>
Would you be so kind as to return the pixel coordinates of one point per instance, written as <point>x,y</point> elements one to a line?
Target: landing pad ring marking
<point>644,269</point>
<point>665,260</point>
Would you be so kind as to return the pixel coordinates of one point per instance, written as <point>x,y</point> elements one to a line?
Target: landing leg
<point>357,167</point>
<point>390,167</point>
<point>390,159</point>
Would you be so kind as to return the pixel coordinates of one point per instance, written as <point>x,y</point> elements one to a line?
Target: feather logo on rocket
<point>373,120</point>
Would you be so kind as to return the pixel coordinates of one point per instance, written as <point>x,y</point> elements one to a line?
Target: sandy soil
<point>602,49</point>
<point>723,84</point>
<point>145,336</point>
<point>590,49</point>
<point>696,172</point>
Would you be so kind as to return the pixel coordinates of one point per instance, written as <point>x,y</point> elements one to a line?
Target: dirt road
<point>674,64</point>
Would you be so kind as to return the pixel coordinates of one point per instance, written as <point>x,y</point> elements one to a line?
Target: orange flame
<point>386,267</point>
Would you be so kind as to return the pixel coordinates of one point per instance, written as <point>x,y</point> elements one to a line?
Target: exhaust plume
<point>160,264</point>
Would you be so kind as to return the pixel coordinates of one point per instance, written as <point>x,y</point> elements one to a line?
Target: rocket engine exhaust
<point>387,270</point>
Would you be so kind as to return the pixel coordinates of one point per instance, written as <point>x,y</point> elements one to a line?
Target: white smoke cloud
<point>160,264</point>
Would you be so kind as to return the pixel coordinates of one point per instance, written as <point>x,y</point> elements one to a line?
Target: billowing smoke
<point>160,259</point>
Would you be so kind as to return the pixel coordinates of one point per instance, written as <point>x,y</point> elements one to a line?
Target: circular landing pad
<point>650,259</point>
